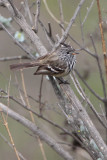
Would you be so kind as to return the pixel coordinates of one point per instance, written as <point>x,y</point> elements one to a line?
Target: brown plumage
<point>57,64</point>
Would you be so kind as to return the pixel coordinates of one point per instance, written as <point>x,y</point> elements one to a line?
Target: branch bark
<point>51,142</point>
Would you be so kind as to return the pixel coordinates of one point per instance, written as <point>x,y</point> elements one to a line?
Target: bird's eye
<point>67,52</point>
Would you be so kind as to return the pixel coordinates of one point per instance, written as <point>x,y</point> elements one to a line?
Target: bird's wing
<point>51,68</point>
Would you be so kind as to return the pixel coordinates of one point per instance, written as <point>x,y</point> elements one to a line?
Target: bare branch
<point>14,9</point>
<point>61,14</point>
<point>81,113</point>
<point>40,95</point>
<point>50,29</point>
<point>35,27</point>
<point>48,34</point>
<point>102,37</point>
<point>6,141</point>
<point>51,142</point>
<point>13,58</point>
<point>99,66</point>
<point>28,12</point>
<point>91,90</point>
<point>88,11</point>
<point>65,35</point>
<point>82,33</point>
<point>10,136</point>
<point>31,115</point>
<point>24,47</point>
<point>84,97</point>
<point>22,22</point>
<point>65,131</point>
<point>50,13</point>
<point>74,111</point>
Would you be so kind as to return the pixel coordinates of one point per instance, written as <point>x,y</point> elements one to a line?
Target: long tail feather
<point>22,65</point>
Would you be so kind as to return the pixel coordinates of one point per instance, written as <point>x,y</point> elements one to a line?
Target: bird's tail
<point>23,65</point>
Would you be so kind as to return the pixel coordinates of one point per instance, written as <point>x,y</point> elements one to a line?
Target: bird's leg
<point>62,81</point>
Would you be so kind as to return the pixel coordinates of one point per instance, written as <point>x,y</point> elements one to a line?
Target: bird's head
<point>69,49</point>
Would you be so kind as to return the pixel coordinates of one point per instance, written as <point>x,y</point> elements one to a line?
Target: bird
<point>58,63</point>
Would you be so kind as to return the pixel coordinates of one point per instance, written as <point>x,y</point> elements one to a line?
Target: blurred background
<point>86,66</point>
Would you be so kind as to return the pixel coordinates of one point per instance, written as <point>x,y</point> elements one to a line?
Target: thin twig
<point>61,14</point>
<point>103,49</point>
<point>31,115</point>
<point>18,43</point>
<point>82,32</point>
<point>84,97</point>
<point>24,9</point>
<point>99,66</point>
<point>65,35</point>
<point>103,113</point>
<point>40,95</point>
<point>46,106</point>
<point>25,94</point>
<point>8,93</point>
<point>91,90</point>
<point>102,80</point>
<point>6,141</point>
<point>50,13</point>
<point>20,90</point>
<point>28,11</point>
<point>88,11</point>
<point>13,58</point>
<point>14,9</point>
<point>20,94</point>
<point>50,40</point>
<point>102,37</point>
<point>10,136</point>
<point>6,123</point>
<point>32,4</point>
<point>35,27</point>
<point>32,98</point>
<point>50,30</point>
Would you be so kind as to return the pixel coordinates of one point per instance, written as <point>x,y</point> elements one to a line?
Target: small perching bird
<point>58,63</point>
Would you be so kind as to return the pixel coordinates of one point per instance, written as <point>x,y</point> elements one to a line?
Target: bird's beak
<point>74,53</point>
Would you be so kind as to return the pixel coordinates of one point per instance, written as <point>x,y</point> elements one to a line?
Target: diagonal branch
<point>51,142</point>
<point>24,25</point>
<point>23,47</point>
<point>6,141</point>
<point>91,90</point>
<point>65,34</point>
<point>35,27</point>
<point>102,37</point>
<point>99,66</point>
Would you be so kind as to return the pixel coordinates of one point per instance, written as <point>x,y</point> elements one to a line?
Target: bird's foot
<point>62,81</point>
